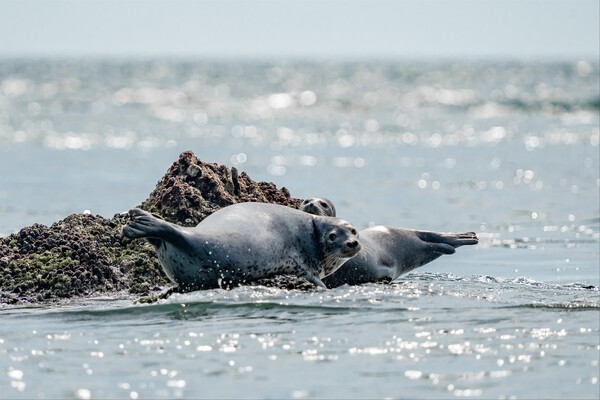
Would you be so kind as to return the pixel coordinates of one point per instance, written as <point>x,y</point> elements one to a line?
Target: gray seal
<point>244,242</point>
<point>389,252</point>
<point>318,206</point>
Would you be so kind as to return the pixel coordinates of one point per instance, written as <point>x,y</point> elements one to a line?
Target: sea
<point>505,148</point>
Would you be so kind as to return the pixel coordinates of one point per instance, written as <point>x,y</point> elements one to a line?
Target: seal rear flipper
<point>465,239</point>
<point>451,239</point>
<point>142,224</point>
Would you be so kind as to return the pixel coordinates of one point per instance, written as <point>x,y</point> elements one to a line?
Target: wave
<point>592,306</point>
<point>415,291</point>
<point>554,105</point>
<point>514,292</point>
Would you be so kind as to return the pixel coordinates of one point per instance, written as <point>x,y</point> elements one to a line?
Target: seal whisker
<point>367,251</point>
<point>329,263</point>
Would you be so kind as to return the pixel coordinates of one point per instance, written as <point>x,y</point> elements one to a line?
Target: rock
<point>85,255</point>
<point>191,190</point>
<point>82,255</point>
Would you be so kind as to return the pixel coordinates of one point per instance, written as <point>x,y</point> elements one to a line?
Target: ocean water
<point>507,149</point>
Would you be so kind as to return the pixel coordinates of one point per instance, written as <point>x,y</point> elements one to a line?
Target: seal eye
<point>305,202</point>
<point>324,205</point>
<point>332,236</point>
<point>353,231</point>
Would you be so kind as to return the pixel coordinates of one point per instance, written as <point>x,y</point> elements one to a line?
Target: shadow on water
<point>190,310</point>
<point>207,310</point>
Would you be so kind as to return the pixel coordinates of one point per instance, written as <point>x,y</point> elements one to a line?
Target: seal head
<point>338,241</point>
<point>318,206</point>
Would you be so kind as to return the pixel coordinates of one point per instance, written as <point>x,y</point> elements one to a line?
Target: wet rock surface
<point>85,255</point>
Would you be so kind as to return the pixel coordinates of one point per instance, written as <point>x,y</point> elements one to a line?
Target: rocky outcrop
<point>85,255</point>
<point>191,190</point>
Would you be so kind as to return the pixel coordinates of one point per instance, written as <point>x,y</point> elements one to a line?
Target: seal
<point>244,242</point>
<point>388,252</point>
<point>318,206</point>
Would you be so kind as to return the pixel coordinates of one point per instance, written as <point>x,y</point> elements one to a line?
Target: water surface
<point>509,150</point>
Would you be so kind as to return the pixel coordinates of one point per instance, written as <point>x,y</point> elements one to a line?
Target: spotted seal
<point>244,242</point>
<point>389,252</point>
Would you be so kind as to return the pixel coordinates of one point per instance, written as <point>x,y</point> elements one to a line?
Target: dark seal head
<point>318,206</point>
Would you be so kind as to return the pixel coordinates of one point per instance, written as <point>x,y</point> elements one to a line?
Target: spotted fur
<point>246,242</point>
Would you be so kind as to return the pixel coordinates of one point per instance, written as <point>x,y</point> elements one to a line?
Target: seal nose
<point>352,244</point>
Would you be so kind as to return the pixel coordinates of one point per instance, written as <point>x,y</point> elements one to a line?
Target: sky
<point>301,28</point>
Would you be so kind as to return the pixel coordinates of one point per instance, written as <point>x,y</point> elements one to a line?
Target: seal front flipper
<point>309,276</point>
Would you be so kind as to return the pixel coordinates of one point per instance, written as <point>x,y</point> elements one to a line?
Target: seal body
<point>388,252</point>
<point>245,242</point>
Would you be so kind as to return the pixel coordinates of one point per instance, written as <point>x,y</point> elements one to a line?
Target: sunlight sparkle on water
<point>507,149</point>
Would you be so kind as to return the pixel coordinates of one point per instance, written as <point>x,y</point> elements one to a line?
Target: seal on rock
<point>244,242</point>
<point>318,206</point>
<point>389,252</point>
